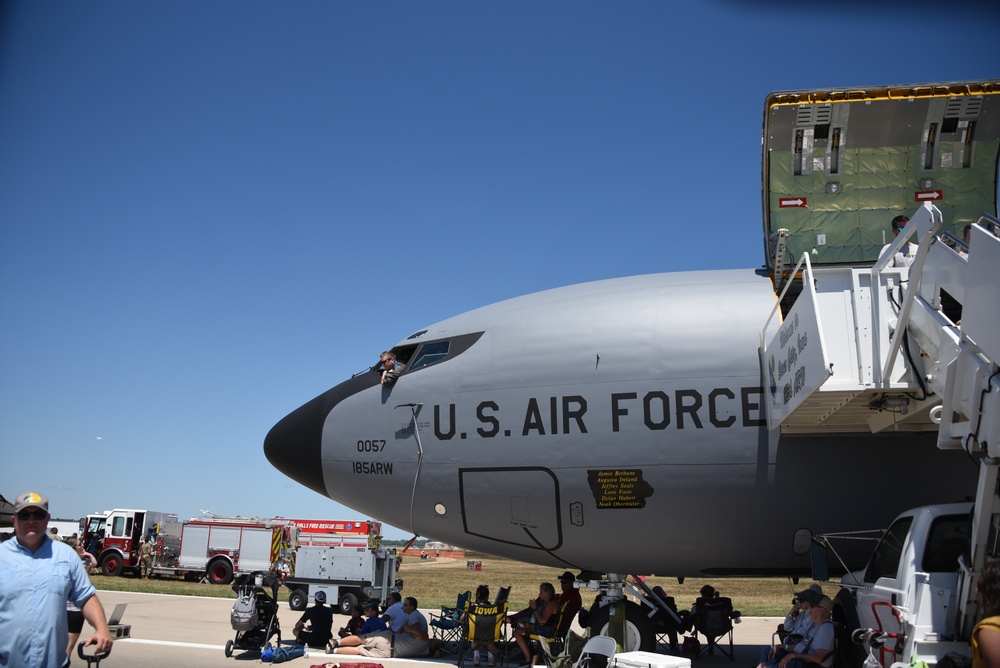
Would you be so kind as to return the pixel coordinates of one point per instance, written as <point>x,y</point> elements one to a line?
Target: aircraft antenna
<point>414,409</point>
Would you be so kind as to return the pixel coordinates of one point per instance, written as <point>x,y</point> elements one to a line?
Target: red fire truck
<point>213,549</point>
<point>114,536</point>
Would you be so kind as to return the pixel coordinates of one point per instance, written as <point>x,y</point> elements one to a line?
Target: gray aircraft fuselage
<point>614,426</point>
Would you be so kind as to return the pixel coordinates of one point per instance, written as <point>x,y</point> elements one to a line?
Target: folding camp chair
<point>597,653</point>
<point>561,623</point>
<point>840,637</point>
<point>667,624</point>
<point>572,645</point>
<point>714,619</point>
<point>447,626</point>
<point>482,626</point>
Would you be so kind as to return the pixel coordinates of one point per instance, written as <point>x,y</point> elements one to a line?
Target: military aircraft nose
<point>294,446</point>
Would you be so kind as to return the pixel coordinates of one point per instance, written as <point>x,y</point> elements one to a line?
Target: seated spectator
<point>706,592</point>
<point>815,648</point>
<point>377,645</point>
<point>394,616</point>
<point>283,570</point>
<point>537,619</point>
<point>373,623</point>
<point>320,620</point>
<point>664,622</point>
<point>410,641</point>
<point>482,596</point>
<point>354,623</point>
<point>796,626</point>
<point>797,621</point>
<point>412,638</point>
<point>483,599</point>
<point>569,601</point>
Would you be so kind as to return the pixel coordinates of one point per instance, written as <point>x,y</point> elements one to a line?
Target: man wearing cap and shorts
<point>320,618</point>
<point>33,626</point>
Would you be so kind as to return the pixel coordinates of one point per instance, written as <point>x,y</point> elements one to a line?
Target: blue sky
<point>212,212</point>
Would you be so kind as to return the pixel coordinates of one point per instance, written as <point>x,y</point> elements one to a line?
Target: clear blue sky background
<point>211,212</point>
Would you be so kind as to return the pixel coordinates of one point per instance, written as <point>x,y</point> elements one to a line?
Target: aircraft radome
<point>621,426</point>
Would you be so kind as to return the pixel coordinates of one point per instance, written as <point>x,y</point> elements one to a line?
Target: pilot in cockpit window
<point>391,369</point>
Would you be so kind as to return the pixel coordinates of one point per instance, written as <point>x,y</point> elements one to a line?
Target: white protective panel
<point>255,550</point>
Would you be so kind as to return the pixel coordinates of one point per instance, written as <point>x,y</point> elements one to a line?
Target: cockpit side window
<point>430,353</point>
<point>418,356</point>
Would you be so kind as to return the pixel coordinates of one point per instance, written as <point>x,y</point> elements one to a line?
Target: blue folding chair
<point>448,625</point>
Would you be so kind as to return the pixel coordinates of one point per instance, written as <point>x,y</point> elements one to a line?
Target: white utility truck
<point>347,575</point>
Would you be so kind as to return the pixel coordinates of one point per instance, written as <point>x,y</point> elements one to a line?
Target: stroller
<point>255,612</point>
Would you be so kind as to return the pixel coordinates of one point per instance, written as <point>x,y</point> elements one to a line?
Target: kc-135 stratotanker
<point>702,423</point>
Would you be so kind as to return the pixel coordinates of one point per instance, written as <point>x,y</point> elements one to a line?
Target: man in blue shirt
<point>37,577</point>
<point>373,623</point>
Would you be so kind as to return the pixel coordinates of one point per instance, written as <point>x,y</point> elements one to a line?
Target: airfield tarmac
<point>170,631</point>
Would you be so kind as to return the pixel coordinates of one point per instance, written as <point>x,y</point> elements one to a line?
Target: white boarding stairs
<point>871,350</point>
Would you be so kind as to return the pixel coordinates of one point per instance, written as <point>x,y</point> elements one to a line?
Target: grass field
<point>438,582</point>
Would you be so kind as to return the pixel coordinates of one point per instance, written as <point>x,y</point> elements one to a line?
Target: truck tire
<point>112,564</point>
<point>639,634</point>
<point>845,615</point>
<point>297,600</point>
<point>220,572</point>
<point>347,603</point>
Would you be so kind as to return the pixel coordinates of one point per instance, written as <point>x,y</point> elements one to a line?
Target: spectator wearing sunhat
<point>320,620</point>
<point>569,602</point>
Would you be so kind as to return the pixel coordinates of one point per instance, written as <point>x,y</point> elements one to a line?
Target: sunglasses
<point>25,515</point>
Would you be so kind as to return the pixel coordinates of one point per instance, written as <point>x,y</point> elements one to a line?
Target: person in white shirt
<point>904,256</point>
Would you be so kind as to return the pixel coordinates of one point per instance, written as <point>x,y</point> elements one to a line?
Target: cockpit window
<point>430,353</point>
